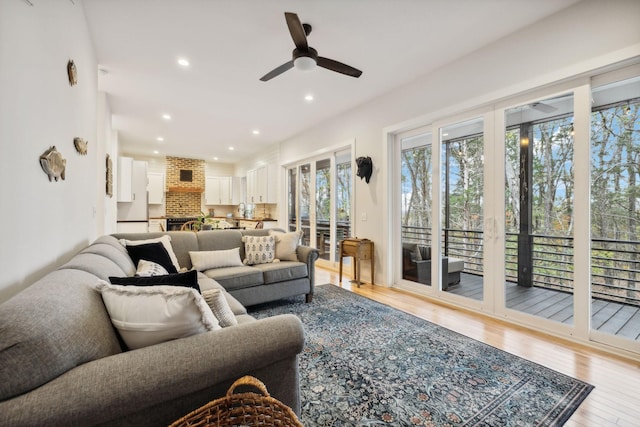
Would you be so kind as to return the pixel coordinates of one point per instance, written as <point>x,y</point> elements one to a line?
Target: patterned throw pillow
<point>259,249</point>
<point>220,307</point>
<point>149,269</point>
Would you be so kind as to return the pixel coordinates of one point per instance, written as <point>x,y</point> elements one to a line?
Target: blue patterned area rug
<point>367,364</point>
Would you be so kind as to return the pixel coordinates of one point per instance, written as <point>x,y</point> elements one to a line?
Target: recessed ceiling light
<point>256,132</point>
<point>308,98</point>
<point>156,152</point>
<point>166,116</point>
<point>215,158</point>
<point>231,148</point>
<point>183,62</point>
<point>159,139</point>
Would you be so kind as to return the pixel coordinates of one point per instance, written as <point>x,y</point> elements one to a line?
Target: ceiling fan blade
<point>338,67</point>
<point>297,31</point>
<point>277,71</point>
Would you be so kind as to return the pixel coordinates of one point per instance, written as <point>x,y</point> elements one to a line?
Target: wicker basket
<point>242,409</point>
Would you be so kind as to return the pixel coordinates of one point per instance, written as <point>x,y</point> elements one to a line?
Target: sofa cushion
<point>95,264</point>
<point>150,268</point>
<point>205,260</point>
<point>259,249</point>
<point>114,252</point>
<point>181,242</point>
<point>54,325</point>
<point>237,277</point>
<point>286,244</point>
<point>283,271</point>
<point>148,315</point>
<point>220,240</point>
<point>155,252</point>
<point>166,242</point>
<point>220,308</point>
<point>207,283</point>
<point>188,279</point>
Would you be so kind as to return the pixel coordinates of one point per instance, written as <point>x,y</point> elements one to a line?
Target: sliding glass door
<point>446,257</point>
<point>548,232</point>
<point>320,200</point>
<point>539,214</point>
<point>615,211</point>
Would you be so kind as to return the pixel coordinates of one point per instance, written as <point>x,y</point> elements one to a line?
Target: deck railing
<point>615,264</point>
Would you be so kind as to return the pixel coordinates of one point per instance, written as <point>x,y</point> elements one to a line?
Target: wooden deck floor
<point>610,317</point>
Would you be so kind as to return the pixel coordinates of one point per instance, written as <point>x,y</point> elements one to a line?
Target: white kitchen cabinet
<point>251,185</point>
<point>222,190</point>
<point>137,209</point>
<point>259,187</point>
<point>124,186</point>
<point>156,188</point>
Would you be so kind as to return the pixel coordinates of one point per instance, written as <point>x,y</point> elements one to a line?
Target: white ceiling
<point>219,100</point>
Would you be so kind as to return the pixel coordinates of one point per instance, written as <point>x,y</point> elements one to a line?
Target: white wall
<point>584,37</point>
<point>44,222</point>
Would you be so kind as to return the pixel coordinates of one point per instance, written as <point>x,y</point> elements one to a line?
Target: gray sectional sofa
<point>250,285</point>
<point>62,362</point>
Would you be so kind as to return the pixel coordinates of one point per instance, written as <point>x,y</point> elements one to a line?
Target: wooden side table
<point>360,250</point>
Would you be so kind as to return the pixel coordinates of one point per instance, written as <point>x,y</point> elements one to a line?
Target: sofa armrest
<point>309,255</point>
<point>122,385</point>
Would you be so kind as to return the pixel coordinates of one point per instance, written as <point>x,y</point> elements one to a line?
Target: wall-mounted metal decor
<point>53,164</point>
<point>81,145</point>
<point>365,167</point>
<point>109,177</point>
<point>72,73</point>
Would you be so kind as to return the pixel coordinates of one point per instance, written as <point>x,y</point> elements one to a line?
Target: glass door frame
<point>581,235</point>
<point>331,154</point>
<point>435,129</point>
<point>494,303</point>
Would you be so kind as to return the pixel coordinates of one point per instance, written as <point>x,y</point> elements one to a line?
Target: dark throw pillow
<point>188,279</point>
<point>154,252</point>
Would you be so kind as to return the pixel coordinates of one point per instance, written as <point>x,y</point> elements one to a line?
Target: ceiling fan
<point>305,57</point>
<point>542,107</point>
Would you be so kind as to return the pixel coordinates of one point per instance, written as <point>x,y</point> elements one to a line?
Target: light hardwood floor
<point>615,401</point>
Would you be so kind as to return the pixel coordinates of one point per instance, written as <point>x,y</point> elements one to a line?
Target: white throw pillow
<point>205,260</point>
<point>259,249</point>
<point>150,268</point>
<point>286,244</point>
<point>220,307</point>
<point>166,242</point>
<point>147,315</point>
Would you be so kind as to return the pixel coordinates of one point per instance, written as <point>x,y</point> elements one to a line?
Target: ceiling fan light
<point>304,63</point>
